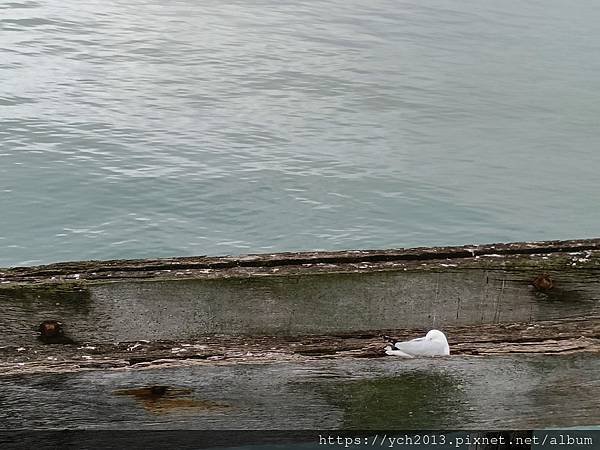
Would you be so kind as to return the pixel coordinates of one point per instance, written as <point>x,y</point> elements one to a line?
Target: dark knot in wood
<point>158,391</point>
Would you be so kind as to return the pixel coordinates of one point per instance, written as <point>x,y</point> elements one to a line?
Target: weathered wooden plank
<point>414,290</point>
<point>565,336</point>
<point>308,262</point>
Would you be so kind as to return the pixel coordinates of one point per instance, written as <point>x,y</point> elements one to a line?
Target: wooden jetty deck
<point>538,300</point>
<point>295,294</point>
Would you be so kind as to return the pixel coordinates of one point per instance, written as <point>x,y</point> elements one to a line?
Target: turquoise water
<point>146,128</point>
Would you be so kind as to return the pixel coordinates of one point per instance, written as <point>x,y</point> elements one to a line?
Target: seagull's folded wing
<point>421,347</point>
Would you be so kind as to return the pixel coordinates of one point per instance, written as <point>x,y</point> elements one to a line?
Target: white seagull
<point>433,344</point>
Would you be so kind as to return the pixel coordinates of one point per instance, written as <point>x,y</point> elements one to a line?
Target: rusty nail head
<point>543,282</point>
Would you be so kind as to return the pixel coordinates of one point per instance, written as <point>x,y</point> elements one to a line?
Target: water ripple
<point>134,128</point>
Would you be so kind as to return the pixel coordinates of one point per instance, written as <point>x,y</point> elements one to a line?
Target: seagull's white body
<point>433,344</point>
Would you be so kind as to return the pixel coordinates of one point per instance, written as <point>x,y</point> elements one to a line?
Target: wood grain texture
<point>275,295</point>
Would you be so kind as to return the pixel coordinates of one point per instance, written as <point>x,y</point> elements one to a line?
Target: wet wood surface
<point>511,391</point>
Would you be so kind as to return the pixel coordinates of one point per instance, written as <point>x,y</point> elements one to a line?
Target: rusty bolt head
<point>543,282</point>
<point>51,332</point>
<point>50,329</point>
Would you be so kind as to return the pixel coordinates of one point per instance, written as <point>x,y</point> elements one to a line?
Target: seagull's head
<point>436,335</point>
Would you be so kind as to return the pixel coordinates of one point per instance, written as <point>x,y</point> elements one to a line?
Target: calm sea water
<point>146,128</point>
